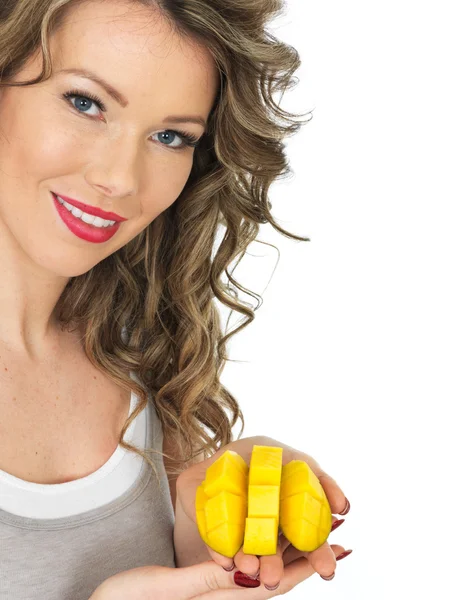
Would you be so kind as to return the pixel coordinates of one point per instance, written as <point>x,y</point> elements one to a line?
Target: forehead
<point>137,50</point>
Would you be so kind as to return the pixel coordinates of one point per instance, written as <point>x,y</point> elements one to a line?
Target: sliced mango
<point>237,505</point>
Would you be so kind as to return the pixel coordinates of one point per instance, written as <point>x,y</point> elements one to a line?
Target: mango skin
<point>237,505</point>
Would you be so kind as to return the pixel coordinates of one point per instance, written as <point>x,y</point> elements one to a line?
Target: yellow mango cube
<point>229,473</point>
<point>263,501</point>
<point>261,536</point>
<point>227,538</point>
<point>225,508</point>
<point>265,465</point>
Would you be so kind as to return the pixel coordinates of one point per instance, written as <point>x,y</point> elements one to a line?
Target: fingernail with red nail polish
<point>337,524</point>
<point>346,509</point>
<point>328,578</point>
<point>244,581</point>
<point>344,554</point>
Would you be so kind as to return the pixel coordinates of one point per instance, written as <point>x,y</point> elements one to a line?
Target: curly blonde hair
<point>161,285</point>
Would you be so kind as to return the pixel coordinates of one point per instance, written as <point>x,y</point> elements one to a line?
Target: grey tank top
<point>82,532</point>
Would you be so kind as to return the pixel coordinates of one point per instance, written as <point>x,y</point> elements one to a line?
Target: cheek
<point>59,146</point>
<point>34,144</point>
<point>165,181</point>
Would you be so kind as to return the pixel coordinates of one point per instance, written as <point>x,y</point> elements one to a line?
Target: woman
<point>130,130</point>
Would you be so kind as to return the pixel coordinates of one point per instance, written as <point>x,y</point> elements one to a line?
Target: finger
<point>322,560</point>
<point>220,559</point>
<point>272,567</point>
<point>247,563</point>
<point>315,560</point>
<point>336,497</point>
<point>283,541</point>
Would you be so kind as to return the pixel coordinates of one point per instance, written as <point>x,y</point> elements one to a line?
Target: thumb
<point>190,582</point>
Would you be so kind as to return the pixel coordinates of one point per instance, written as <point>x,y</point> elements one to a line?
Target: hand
<point>271,568</point>
<point>206,581</point>
<point>165,583</point>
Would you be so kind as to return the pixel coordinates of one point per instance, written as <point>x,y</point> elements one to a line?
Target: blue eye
<point>85,96</point>
<point>188,139</point>
<point>171,132</point>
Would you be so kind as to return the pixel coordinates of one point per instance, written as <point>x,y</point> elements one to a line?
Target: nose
<point>117,186</point>
<point>115,175</point>
<point>110,191</point>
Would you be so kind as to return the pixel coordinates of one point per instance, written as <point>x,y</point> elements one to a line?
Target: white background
<point>348,358</point>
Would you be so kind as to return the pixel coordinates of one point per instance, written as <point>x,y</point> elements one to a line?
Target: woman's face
<point>127,159</point>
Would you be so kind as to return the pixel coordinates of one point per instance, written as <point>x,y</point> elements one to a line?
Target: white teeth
<point>91,219</point>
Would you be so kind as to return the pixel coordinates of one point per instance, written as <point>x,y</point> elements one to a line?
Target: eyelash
<point>188,138</point>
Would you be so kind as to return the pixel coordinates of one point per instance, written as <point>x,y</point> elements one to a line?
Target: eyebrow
<point>120,98</point>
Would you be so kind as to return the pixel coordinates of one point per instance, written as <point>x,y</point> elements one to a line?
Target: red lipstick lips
<point>86,231</point>
<point>92,210</point>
